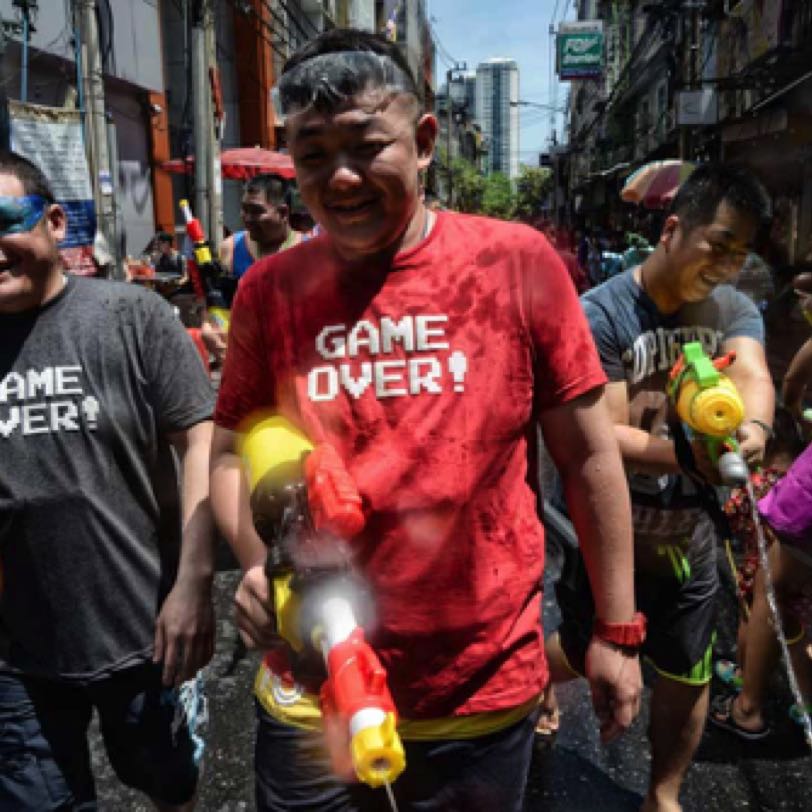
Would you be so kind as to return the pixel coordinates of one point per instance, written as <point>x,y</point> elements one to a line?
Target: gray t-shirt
<point>90,384</point>
<point>639,345</point>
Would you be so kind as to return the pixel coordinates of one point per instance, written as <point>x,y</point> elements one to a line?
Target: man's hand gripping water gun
<point>305,508</point>
<point>708,403</point>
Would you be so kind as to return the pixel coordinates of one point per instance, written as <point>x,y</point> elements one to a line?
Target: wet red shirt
<point>425,376</point>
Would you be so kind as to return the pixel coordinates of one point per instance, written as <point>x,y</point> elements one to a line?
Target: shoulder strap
<point>706,493</point>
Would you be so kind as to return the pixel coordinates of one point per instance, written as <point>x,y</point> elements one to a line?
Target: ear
<point>57,221</point>
<point>669,230</point>
<point>425,137</point>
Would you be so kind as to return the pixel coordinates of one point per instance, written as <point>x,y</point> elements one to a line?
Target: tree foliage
<point>498,198</point>
<point>495,195</point>
<point>469,186</point>
<point>532,187</point>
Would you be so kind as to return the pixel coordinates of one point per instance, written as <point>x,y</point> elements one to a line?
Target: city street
<point>575,775</point>
<point>338,270</point>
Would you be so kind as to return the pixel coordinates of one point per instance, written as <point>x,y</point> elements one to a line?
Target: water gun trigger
<point>333,498</point>
<point>724,361</point>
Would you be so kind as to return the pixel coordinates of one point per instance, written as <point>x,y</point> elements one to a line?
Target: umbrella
<point>241,163</point>
<point>654,184</point>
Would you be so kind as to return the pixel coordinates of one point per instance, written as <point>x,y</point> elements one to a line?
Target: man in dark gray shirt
<point>640,319</point>
<point>105,600</point>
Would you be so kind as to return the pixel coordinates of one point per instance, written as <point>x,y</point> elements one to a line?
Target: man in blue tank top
<point>266,215</point>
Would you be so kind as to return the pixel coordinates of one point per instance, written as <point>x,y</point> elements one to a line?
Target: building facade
<point>719,80</point>
<point>146,57</point>
<point>497,113</point>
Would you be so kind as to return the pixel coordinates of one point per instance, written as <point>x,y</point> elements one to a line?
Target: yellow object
<point>272,446</point>
<point>221,317</point>
<point>293,706</point>
<point>286,608</point>
<point>377,753</point>
<point>202,255</point>
<point>715,411</point>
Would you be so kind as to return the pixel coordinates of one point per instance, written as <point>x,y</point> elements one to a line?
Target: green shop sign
<point>580,50</point>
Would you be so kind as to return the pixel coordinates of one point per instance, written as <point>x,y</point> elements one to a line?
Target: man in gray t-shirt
<point>105,598</point>
<point>640,320</point>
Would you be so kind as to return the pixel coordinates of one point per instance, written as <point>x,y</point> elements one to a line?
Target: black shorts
<point>149,732</point>
<point>675,587</point>
<point>481,774</point>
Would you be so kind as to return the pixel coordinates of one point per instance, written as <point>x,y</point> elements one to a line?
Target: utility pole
<point>458,66</point>
<point>101,175</point>
<point>7,28</point>
<point>26,7</point>
<point>449,121</point>
<point>208,179</point>
<point>214,136</point>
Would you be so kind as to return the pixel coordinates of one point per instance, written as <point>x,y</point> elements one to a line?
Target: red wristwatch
<point>625,635</point>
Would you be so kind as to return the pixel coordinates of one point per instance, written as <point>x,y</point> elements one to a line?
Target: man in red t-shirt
<point>422,345</point>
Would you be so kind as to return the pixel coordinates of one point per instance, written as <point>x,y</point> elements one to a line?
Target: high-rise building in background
<point>497,85</point>
<point>469,81</point>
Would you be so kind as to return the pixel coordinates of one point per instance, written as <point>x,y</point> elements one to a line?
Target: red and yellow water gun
<point>306,508</point>
<point>708,402</point>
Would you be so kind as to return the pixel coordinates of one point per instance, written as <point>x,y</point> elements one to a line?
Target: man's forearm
<point>232,510</point>
<point>580,438</point>
<point>598,500</point>
<point>758,395</point>
<point>198,546</point>
<point>645,453</point>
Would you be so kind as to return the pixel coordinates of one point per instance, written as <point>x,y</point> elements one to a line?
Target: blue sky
<point>475,30</point>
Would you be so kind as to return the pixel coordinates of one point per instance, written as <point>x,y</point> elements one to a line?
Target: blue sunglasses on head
<point>20,214</point>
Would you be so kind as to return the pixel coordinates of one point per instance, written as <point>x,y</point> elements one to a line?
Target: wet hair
<point>709,185</point>
<point>31,177</point>
<point>273,188</point>
<point>327,87</point>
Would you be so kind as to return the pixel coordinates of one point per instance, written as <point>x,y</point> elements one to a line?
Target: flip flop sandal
<point>548,724</point>
<point>721,715</point>
<point>729,673</point>
<point>795,712</point>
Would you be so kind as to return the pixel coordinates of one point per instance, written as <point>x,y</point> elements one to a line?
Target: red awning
<point>241,163</point>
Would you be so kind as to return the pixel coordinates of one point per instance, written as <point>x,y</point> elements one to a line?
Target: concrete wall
<point>134,182</point>
<point>135,33</point>
<point>362,14</point>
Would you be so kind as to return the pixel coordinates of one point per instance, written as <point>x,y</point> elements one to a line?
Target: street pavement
<point>576,774</point>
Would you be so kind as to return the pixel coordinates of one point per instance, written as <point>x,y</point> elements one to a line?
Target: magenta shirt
<point>788,506</point>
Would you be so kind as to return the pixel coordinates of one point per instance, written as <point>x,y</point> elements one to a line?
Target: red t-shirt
<point>425,376</point>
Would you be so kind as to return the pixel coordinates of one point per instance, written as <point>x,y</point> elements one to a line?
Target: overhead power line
<point>447,58</point>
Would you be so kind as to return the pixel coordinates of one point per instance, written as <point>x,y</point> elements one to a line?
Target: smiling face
<point>707,255</point>
<point>265,222</point>
<point>30,271</point>
<point>357,169</point>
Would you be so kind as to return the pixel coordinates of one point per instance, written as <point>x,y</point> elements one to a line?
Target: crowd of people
<point>424,346</point>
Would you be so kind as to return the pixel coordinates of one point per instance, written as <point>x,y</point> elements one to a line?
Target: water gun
<point>204,269</point>
<point>306,508</point>
<point>708,402</point>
